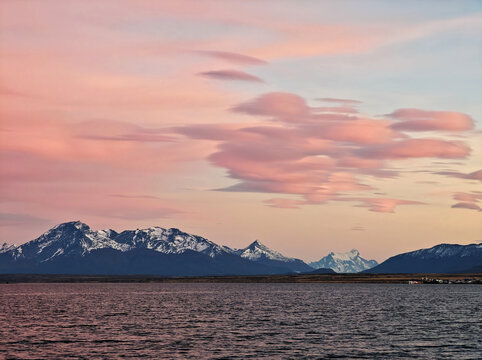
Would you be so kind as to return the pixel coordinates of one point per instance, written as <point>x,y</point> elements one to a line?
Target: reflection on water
<point>238,321</point>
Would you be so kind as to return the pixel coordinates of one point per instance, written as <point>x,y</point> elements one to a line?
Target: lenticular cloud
<point>422,120</point>
<point>323,154</point>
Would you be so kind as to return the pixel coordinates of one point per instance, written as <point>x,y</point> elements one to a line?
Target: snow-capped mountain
<point>76,238</point>
<point>168,241</point>
<point>72,238</point>
<point>73,247</point>
<point>6,247</point>
<point>443,258</point>
<point>257,251</point>
<point>260,253</point>
<point>349,262</point>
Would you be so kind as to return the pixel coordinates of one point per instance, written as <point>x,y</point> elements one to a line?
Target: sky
<point>312,126</point>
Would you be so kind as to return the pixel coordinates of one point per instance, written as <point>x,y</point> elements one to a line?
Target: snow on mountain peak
<point>256,250</point>
<point>348,262</point>
<point>6,247</point>
<point>352,254</point>
<point>77,238</point>
<point>444,250</point>
<point>72,224</point>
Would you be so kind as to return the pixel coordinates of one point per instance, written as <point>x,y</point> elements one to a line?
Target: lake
<point>239,321</point>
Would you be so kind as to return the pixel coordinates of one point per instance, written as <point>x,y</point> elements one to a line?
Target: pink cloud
<point>341,101</point>
<point>318,159</point>
<point>327,116</point>
<point>65,62</point>
<point>385,205</point>
<point>467,200</point>
<point>211,131</point>
<point>359,163</point>
<point>284,203</point>
<point>231,75</point>
<point>257,151</point>
<point>125,196</point>
<point>280,105</point>
<point>336,109</point>
<point>467,205</point>
<point>234,57</point>
<point>423,120</point>
<point>102,129</point>
<point>476,175</point>
<point>467,197</point>
<point>91,197</point>
<point>417,148</point>
<point>25,167</point>
<point>360,130</point>
<point>15,219</point>
<point>44,148</point>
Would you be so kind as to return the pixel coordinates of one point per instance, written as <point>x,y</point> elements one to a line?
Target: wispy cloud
<point>422,120</point>
<point>476,175</point>
<point>16,219</point>
<point>349,102</point>
<point>385,205</point>
<point>467,200</point>
<point>233,57</point>
<point>231,75</point>
<point>467,205</point>
<point>358,228</point>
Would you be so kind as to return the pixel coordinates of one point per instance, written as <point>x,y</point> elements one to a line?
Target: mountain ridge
<point>258,252</point>
<point>73,247</point>
<point>348,262</point>
<point>442,258</point>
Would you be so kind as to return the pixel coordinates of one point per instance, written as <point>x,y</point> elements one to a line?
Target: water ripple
<point>239,321</point>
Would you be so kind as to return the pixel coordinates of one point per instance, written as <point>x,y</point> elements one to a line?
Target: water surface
<point>239,321</point>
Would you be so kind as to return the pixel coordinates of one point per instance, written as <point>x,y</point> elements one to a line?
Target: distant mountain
<point>349,262</point>
<point>443,258</point>
<point>73,248</point>
<point>262,254</point>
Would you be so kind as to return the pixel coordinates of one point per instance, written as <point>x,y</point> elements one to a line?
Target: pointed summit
<point>258,252</point>
<point>74,248</point>
<point>256,244</point>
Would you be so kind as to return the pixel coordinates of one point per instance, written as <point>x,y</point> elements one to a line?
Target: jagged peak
<point>257,250</point>
<point>345,255</point>
<point>259,246</point>
<point>152,230</point>
<point>256,244</point>
<point>161,230</point>
<point>76,224</point>
<point>349,261</point>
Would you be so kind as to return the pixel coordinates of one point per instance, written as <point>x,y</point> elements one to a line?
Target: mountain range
<point>74,248</point>
<point>349,262</point>
<point>443,258</point>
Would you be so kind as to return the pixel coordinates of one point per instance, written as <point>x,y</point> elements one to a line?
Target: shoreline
<point>291,278</point>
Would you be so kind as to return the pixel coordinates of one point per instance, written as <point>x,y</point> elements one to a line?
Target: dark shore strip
<point>291,278</point>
